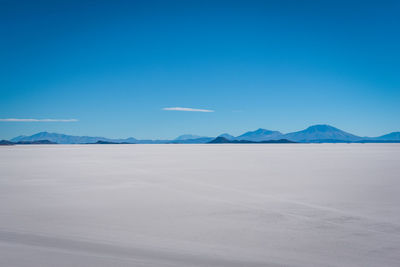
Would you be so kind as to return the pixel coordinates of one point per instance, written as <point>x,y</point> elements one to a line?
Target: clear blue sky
<point>280,65</point>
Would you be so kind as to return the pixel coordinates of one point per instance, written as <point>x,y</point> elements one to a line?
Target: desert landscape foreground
<point>200,205</point>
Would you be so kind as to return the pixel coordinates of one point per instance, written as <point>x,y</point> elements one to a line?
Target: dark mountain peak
<point>219,140</point>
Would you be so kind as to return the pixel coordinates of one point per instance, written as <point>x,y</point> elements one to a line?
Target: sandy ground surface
<point>200,205</point>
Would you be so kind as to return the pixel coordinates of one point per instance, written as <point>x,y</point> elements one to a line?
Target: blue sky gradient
<point>282,65</point>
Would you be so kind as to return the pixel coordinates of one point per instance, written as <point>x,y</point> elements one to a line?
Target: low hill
<point>37,142</point>
<point>109,143</point>
<point>260,135</point>
<point>6,143</point>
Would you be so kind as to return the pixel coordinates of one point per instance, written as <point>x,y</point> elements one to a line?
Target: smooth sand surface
<point>200,205</point>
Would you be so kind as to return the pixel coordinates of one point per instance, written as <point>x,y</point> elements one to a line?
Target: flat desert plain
<point>200,205</point>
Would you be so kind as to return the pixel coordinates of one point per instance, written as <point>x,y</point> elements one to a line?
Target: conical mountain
<point>322,133</point>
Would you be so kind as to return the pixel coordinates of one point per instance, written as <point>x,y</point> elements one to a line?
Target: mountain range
<point>69,139</point>
<point>320,133</point>
<point>314,134</point>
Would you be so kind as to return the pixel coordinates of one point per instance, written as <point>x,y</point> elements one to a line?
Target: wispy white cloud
<point>38,120</point>
<point>188,109</point>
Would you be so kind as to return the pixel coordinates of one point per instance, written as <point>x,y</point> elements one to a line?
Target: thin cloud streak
<point>37,120</point>
<point>188,109</point>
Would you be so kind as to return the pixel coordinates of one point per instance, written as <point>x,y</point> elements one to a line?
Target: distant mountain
<point>322,133</point>
<point>223,140</point>
<point>227,136</point>
<point>69,139</point>
<point>395,136</point>
<point>187,137</point>
<point>260,135</point>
